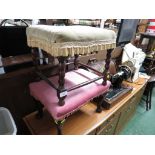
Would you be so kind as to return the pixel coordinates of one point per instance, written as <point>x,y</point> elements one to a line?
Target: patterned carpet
<point>143,122</point>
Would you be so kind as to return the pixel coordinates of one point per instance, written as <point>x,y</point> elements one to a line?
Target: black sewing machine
<point>118,89</point>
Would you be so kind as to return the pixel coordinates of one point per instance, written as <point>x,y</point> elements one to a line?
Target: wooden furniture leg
<point>48,57</point>
<point>76,61</point>
<point>107,64</point>
<point>99,105</point>
<point>35,59</point>
<point>150,97</point>
<point>61,92</point>
<point>59,125</point>
<point>147,101</point>
<point>39,108</point>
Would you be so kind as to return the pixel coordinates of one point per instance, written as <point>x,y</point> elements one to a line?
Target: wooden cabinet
<point>109,128</point>
<point>125,114</point>
<point>87,122</point>
<point>128,110</point>
<point>118,120</point>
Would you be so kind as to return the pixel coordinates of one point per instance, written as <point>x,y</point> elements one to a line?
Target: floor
<point>143,122</point>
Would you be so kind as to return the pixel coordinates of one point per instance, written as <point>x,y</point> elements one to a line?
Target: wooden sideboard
<point>87,122</point>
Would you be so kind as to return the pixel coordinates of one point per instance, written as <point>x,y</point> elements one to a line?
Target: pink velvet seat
<point>44,93</point>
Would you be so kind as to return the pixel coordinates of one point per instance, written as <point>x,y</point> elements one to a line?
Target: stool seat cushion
<point>70,40</point>
<point>44,93</point>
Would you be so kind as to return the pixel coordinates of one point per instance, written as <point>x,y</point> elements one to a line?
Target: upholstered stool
<point>47,96</point>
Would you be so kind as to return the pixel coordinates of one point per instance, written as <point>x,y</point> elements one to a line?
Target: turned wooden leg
<point>99,106</point>
<point>76,61</point>
<point>107,64</point>
<point>61,92</point>
<point>39,108</point>
<point>59,125</point>
<point>47,58</point>
<point>100,101</point>
<point>35,58</point>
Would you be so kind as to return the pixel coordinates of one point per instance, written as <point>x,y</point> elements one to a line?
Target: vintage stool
<point>63,94</point>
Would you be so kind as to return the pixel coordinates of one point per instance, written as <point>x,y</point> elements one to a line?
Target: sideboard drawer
<point>109,127</point>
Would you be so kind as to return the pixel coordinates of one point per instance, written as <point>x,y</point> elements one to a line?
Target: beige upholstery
<point>70,40</point>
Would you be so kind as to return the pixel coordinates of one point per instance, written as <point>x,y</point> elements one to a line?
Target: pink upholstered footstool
<point>44,93</point>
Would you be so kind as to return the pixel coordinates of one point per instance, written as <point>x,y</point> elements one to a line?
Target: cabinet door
<point>128,110</point>
<point>110,127</point>
<point>92,132</point>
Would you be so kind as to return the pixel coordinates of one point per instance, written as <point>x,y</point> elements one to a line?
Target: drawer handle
<point>108,130</point>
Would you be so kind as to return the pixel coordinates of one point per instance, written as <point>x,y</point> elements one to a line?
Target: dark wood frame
<point>62,65</point>
<point>61,90</point>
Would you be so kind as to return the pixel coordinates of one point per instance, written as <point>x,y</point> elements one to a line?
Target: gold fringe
<point>70,48</point>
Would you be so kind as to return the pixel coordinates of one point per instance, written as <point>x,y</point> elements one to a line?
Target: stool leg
<point>35,57</point>
<point>39,107</point>
<point>59,125</point>
<point>99,105</point>
<point>76,61</point>
<point>61,81</point>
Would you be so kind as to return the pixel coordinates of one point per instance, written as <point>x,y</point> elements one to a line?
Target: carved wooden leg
<point>76,61</point>
<point>59,125</point>
<point>61,92</point>
<point>35,54</point>
<point>39,108</point>
<point>107,63</point>
<point>47,58</point>
<point>99,105</point>
<point>100,102</point>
